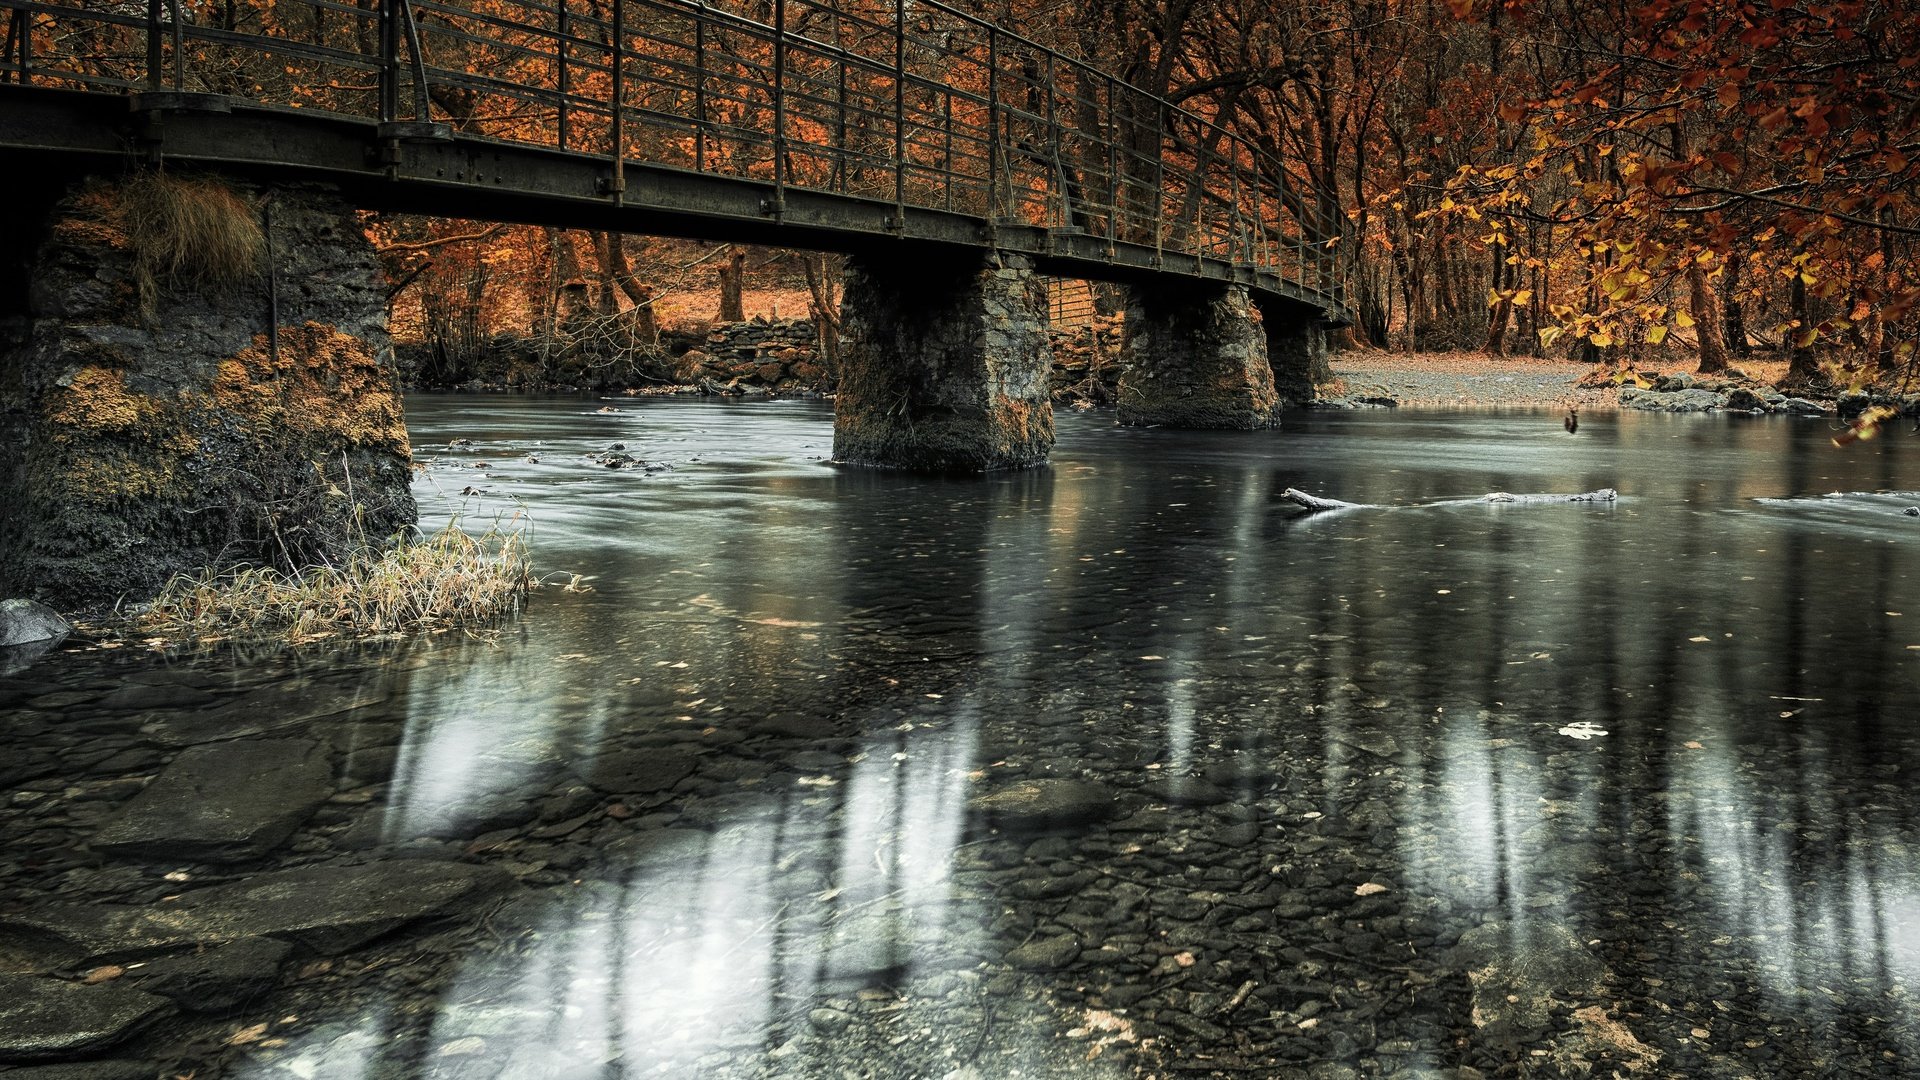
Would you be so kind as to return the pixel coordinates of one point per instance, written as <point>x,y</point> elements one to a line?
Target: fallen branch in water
<point>1316,503</point>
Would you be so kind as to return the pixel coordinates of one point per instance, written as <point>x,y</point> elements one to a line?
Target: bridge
<point>958,165</point>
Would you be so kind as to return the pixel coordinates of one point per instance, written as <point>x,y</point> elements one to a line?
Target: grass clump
<point>446,580</point>
<point>188,230</point>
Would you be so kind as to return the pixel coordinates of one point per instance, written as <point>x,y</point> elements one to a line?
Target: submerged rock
<point>228,802</point>
<point>1046,803</point>
<point>323,909</point>
<point>25,622</point>
<point>1519,971</point>
<point>43,1018</point>
<point>216,979</point>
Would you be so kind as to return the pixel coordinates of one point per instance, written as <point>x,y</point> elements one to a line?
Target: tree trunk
<point>1801,368</point>
<point>615,268</point>
<point>1733,318</point>
<point>825,310</point>
<point>732,305</point>
<point>1706,322</point>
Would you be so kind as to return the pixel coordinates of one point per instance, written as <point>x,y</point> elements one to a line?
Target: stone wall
<point>155,419</point>
<point>1086,360</point>
<point>944,365</point>
<point>774,354</point>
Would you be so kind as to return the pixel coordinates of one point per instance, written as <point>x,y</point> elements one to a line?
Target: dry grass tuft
<point>188,231</point>
<point>446,580</point>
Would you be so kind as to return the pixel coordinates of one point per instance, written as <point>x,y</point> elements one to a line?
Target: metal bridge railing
<point>905,101</point>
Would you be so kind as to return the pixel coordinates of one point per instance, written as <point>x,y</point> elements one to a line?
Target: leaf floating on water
<point>1692,745</point>
<point>1153,658</point>
<point>1582,729</point>
<point>1371,888</point>
<point>472,1044</point>
<point>1184,959</point>
<point>817,781</point>
<point>1699,637</point>
<point>103,974</point>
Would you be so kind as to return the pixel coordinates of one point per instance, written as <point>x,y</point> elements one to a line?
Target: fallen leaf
<point>1184,959</point>
<point>1691,745</point>
<point>247,1035</point>
<point>1371,888</point>
<point>103,974</point>
<point>1699,637</point>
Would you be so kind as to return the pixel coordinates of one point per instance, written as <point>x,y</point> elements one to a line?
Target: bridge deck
<point>824,130</point>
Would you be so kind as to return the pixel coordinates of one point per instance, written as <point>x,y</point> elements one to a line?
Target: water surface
<point>1388,791</point>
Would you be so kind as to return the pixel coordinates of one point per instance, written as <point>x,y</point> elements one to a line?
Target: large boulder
<point>228,802</point>
<point>322,909</point>
<point>24,622</point>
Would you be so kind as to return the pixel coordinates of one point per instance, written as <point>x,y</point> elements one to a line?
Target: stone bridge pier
<point>194,372</point>
<point>1203,355</point>
<point>944,364</point>
<point>945,361</point>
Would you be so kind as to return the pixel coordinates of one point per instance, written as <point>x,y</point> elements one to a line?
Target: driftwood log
<point>1316,503</point>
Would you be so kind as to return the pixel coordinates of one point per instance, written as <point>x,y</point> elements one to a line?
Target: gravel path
<point>1472,380</point>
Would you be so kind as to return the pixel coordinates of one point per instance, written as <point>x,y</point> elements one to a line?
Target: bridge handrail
<point>999,126</point>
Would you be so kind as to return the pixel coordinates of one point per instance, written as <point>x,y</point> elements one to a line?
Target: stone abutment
<point>193,372</point>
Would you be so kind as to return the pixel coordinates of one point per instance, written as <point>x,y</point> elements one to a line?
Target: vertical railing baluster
<point>1056,181</point>
<point>779,108</point>
<point>563,29</point>
<point>1160,183</point>
<point>389,59</point>
<point>155,56</point>
<point>994,149</point>
<point>899,115</point>
<point>946,149</point>
<point>840,170</point>
<point>700,91</point>
<point>1112,128</point>
<point>618,120</point>
<point>179,46</point>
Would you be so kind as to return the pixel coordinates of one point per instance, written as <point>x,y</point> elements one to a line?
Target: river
<point>1119,766</point>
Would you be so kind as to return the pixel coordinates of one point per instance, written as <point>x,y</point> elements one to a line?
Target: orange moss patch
<point>118,444</point>
<point>324,384</point>
<point>96,399</point>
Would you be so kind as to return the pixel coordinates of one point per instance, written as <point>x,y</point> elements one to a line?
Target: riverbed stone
<point>215,979</point>
<point>321,909</point>
<point>1520,970</point>
<point>1047,802</point>
<point>110,1069</point>
<point>637,772</point>
<point>1045,953</point>
<point>26,622</point>
<point>228,802</point>
<point>44,1018</point>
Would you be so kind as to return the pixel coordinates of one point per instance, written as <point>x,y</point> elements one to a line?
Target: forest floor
<point>1484,380</point>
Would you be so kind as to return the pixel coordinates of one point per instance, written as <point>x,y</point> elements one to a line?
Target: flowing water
<point>1120,766</point>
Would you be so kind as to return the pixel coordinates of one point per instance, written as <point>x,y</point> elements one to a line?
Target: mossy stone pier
<point>193,371</point>
<point>1195,356</point>
<point>944,364</point>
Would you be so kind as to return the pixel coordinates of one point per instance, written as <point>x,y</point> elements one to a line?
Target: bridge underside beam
<point>1194,356</point>
<point>173,398</point>
<point>944,365</point>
